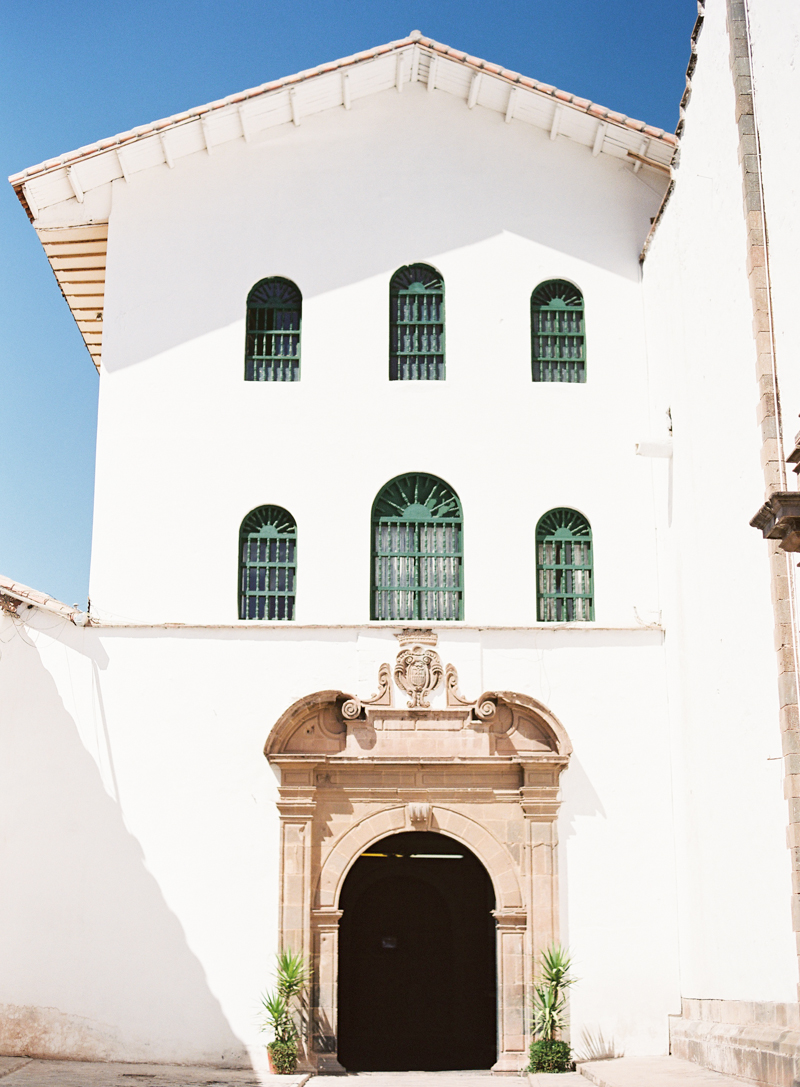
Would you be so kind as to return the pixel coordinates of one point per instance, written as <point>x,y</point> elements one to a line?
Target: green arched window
<point>417,550</point>
<point>416,324</point>
<point>274,313</point>
<point>565,581</point>
<point>558,335</point>
<point>267,564</point>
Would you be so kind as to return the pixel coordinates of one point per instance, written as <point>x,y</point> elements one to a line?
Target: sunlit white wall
<point>186,447</point>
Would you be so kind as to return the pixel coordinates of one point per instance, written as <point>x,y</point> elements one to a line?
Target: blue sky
<point>73,73</point>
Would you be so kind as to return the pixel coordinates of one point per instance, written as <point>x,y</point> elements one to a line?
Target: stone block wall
<point>757,1041</point>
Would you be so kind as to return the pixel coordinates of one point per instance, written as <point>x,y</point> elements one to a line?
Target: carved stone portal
<point>484,772</point>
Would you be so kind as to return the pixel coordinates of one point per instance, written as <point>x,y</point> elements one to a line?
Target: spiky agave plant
<point>548,1052</point>
<point>291,976</point>
<point>550,992</point>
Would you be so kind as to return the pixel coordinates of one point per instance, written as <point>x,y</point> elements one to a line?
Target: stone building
<point>427,624</point>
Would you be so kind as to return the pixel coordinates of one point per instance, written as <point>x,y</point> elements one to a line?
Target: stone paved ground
<point>23,1072</point>
<point>654,1072</point>
<point>623,1072</point>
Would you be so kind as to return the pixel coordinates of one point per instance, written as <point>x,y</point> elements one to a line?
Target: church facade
<point>427,625</point>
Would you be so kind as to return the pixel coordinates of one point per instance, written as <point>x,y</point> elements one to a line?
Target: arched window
<point>565,590</point>
<point>558,337</point>
<point>416,324</point>
<point>267,564</point>
<point>274,312</point>
<point>417,550</point>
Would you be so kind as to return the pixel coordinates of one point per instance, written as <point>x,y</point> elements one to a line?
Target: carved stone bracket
<point>483,710</point>
<point>353,706</point>
<point>419,815</point>
<point>454,696</point>
<point>779,519</point>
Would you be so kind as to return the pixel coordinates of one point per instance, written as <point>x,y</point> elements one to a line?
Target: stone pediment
<point>336,726</point>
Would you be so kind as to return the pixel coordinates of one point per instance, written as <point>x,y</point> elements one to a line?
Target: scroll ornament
<point>353,706</point>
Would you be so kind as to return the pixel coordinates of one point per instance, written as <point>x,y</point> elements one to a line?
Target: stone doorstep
<point>654,1072</point>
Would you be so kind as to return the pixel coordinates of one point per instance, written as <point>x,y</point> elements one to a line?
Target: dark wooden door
<point>416,964</point>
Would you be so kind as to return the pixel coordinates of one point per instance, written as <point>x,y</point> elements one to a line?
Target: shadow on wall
<point>579,800</point>
<point>579,797</point>
<point>95,964</point>
<point>357,194</point>
<point>594,1046</point>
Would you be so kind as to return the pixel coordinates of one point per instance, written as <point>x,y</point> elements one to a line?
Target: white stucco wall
<point>734,877</point>
<point>139,806</point>
<point>186,447</point>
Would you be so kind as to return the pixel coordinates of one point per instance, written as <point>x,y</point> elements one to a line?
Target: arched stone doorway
<point>484,773</point>
<point>417,977</point>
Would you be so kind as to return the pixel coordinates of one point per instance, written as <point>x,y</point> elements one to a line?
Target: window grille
<point>565,590</point>
<point>558,335</point>
<point>417,550</point>
<point>272,350</point>
<point>267,564</point>
<point>416,324</point>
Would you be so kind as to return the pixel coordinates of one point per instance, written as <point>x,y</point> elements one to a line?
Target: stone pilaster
<point>326,979</point>
<point>295,876</point>
<point>511,984</point>
<point>769,418</point>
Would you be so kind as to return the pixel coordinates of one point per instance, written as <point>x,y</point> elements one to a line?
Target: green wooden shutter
<point>565,579</point>
<point>417,550</point>
<point>558,337</point>
<point>274,314</point>
<point>416,324</point>
<point>267,564</point>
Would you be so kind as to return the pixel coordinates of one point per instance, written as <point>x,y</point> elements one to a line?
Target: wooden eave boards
<point>77,256</point>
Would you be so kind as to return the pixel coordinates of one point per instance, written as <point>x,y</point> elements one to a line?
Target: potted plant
<point>548,1052</point>
<point>281,1009</point>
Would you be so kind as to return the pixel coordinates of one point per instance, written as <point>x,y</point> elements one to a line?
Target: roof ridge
<point>415,38</point>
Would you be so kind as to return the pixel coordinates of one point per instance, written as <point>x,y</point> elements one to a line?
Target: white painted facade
<point>140,810</point>
<point>332,206</point>
<point>735,933</point>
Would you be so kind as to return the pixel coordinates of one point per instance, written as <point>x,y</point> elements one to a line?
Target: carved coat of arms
<point>418,672</point>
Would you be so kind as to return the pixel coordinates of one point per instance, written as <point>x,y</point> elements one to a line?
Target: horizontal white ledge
<point>277,626</point>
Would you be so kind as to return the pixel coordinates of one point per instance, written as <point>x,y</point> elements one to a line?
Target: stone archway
<point>485,773</point>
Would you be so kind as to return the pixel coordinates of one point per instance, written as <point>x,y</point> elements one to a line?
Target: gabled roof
<point>77,252</point>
